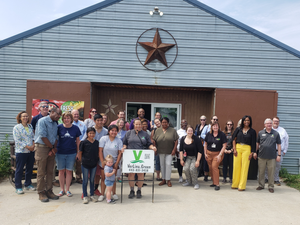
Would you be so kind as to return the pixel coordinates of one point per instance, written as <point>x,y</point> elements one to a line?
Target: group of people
<point>95,147</point>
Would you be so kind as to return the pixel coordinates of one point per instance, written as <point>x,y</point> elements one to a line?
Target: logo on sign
<point>137,157</point>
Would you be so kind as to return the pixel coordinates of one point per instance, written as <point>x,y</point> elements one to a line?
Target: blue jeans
<point>85,175</point>
<point>21,160</point>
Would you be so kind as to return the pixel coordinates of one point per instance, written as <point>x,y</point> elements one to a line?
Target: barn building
<point>177,56</point>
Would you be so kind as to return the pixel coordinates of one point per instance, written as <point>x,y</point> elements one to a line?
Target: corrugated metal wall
<point>100,47</point>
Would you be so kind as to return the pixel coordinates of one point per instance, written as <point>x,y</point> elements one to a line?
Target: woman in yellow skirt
<point>244,145</point>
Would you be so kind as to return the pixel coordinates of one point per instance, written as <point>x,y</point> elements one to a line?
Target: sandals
<point>61,193</point>
<point>69,194</point>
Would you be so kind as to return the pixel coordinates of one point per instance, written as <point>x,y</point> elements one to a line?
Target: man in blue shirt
<point>82,129</point>
<point>44,111</point>
<point>45,145</point>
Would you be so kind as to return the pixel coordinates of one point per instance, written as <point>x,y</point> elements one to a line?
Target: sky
<point>275,18</point>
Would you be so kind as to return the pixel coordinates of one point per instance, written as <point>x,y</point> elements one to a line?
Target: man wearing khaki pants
<point>45,145</point>
<point>267,140</point>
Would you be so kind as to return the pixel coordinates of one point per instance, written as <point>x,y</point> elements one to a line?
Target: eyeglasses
<point>215,119</point>
<point>229,124</point>
<point>45,106</point>
<point>202,119</point>
<point>94,111</point>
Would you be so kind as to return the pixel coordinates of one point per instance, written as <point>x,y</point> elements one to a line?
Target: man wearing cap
<point>45,144</point>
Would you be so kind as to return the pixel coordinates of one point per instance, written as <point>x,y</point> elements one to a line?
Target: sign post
<point>138,161</point>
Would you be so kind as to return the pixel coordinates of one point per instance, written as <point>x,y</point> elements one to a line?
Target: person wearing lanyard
<point>214,147</point>
<point>244,145</point>
<point>137,139</point>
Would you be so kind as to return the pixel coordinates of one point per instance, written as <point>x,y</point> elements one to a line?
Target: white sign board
<point>138,161</point>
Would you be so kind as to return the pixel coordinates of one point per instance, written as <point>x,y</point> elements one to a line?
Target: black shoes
<point>206,178</point>
<point>131,194</point>
<point>138,194</point>
<point>212,185</point>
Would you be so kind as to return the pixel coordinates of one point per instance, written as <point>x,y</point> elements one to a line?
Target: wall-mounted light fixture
<point>156,11</point>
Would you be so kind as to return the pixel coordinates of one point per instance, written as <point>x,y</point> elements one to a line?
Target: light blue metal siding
<point>100,47</point>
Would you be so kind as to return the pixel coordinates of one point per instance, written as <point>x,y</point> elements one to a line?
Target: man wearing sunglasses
<point>44,111</point>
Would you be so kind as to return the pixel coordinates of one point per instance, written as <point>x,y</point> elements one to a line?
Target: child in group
<point>89,157</point>
<point>109,177</point>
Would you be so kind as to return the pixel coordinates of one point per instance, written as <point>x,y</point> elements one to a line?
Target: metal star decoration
<point>109,107</point>
<point>156,49</point>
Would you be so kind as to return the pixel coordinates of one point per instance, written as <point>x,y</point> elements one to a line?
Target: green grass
<point>292,180</point>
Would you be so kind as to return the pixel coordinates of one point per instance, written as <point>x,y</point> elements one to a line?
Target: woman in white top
<point>24,150</point>
<point>89,122</point>
<point>110,144</point>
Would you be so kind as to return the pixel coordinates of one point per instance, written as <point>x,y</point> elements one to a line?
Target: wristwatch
<point>53,147</point>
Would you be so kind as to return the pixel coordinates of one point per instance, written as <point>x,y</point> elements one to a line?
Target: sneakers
<point>51,195</point>
<point>94,198</point>
<point>101,198</point>
<point>86,200</point>
<point>131,194</point>
<point>111,202</point>
<point>19,191</point>
<point>61,193</point>
<point>186,184</point>
<point>196,187</point>
<point>30,188</point>
<point>180,180</point>
<point>43,197</point>
<point>97,192</point>
<point>138,194</point>
<point>69,194</point>
<point>277,183</point>
<point>82,196</point>
<point>115,197</point>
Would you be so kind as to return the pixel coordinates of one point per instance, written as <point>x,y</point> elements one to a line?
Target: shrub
<point>5,158</point>
<point>283,173</point>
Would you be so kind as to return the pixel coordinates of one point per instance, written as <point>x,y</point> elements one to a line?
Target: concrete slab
<point>175,205</point>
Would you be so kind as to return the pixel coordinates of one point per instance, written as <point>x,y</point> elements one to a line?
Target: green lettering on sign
<point>137,157</point>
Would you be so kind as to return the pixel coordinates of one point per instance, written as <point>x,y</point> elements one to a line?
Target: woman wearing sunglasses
<point>89,122</point>
<point>228,153</point>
